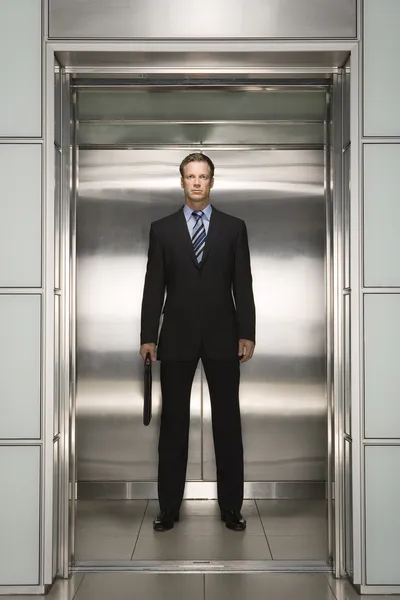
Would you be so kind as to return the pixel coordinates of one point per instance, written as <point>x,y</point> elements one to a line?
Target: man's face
<point>196,182</point>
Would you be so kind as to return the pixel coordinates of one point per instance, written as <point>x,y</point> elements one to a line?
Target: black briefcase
<point>147,390</point>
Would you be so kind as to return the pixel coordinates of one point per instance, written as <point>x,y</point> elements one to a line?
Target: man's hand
<point>145,348</point>
<point>246,350</point>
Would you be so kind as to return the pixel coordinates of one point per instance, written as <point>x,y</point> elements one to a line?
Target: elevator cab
<point>277,145</point>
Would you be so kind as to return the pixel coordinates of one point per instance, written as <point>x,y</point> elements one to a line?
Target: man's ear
<point>212,183</point>
<point>182,182</point>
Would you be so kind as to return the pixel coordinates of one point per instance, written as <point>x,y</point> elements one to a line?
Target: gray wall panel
<point>382,375</point>
<point>19,515</point>
<point>21,68</point>
<point>382,489</point>
<point>381,215</point>
<point>206,19</point>
<point>20,350</point>
<point>20,215</point>
<point>381,45</point>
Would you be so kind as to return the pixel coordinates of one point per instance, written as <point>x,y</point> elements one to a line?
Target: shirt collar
<point>188,212</point>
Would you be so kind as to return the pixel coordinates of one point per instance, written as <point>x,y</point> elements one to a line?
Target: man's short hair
<point>197,157</point>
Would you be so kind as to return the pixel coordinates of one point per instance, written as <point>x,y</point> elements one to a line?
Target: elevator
<point>275,142</point>
<point>269,145</point>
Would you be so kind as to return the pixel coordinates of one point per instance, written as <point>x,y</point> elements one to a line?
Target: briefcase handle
<point>147,360</point>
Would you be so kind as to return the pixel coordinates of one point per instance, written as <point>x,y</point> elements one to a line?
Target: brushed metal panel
<point>346,216</point>
<point>348,508</point>
<point>280,195</point>
<point>120,193</point>
<point>208,19</point>
<point>56,507</point>
<point>57,371</point>
<point>347,365</point>
<point>57,103</point>
<point>135,64</point>
<point>201,490</point>
<point>57,216</point>
<point>204,566</point>
<point>346,103</point>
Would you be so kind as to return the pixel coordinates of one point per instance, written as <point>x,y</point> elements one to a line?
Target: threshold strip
<point>204,566</point>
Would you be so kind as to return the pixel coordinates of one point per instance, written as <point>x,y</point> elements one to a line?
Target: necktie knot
<point>197,213</point>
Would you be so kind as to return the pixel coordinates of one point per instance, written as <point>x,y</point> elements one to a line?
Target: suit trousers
<point>223,378</point>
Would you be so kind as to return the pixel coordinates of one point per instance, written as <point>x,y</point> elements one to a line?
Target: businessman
<point>199,277</point>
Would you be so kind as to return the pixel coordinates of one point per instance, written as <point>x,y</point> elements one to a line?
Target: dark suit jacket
<point>199,307</point>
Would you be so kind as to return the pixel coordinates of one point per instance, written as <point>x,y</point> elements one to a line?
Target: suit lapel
<point>183,233</point>
<point>211,235</point>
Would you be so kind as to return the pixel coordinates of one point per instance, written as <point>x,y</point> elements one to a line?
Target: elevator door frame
<point>194,489</point>
<point>335,429</point>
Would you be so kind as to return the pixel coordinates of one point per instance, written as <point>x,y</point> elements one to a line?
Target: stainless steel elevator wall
<point>281,196</point>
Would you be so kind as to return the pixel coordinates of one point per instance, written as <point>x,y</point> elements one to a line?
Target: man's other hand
<point>145,348</point>
<point>246,350</point>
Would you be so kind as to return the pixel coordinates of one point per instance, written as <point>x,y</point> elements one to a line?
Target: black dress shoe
<point>165,520</point>
<point>234,520</point>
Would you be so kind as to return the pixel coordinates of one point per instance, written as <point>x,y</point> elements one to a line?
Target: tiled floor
<point>122,530</point>
<point>276,529</point>
<point>253,586</point>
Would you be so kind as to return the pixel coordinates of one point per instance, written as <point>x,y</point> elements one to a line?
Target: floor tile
<point>197,519</point>
<point>293,517</point>
<point>233,546</point>
<point>99,547</point>
<point>298,547</point>
<point>141,586</point>
<point>107,530</point>
<point>110,517</point>
<point>267,586</point>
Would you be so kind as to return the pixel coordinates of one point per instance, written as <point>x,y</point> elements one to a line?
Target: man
<point>199,256</point>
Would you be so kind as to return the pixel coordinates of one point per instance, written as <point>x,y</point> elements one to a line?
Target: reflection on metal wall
<point>280,194</point>
<point>206,19</point>
<point>120,193</point>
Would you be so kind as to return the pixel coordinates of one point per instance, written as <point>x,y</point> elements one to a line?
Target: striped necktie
<point>198,235</point>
